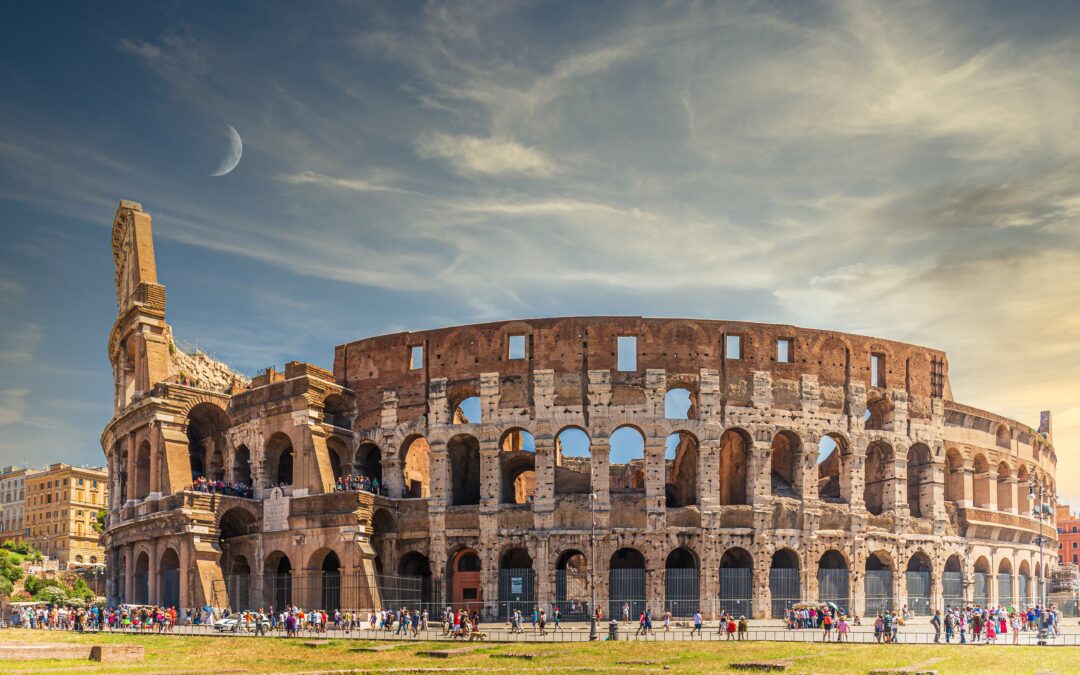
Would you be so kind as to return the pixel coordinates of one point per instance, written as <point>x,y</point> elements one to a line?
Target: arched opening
<point>878,416</point>
<point>338,454</point>
<point>784,582</point>
<point>414,588</point>
<point>277,580</point>
<point>417,468</point>
<point>918,579</point>
<point>981,588</point>
<point>954,475</point>
<point>1023,583</point>
<point>834,480</point>
<point>833,579</point>
<point>238,584</point>
<point>920,493</point>
<point>169,579</point>
<point>368,465</point>
<point>468,411</point>
<point>517,466</point>
<point>517,582</point>
<point>241,468</point>
<point>626,583</point>
<point>206,428</point>
<point>681,453</point>
<point>1004,436</point>
<point>681,583</point>
<point>735,447</point>
<point>736,582</point>
<point>627,461</point>
<point>279,461</point>
<point>1005,487</point>
<point>328,571</point>
<point>573,462</point>
<point>952,582</point>
<point>141,579</point>
<point>1021,500</point>
<point>383,529</point>
<point>880,471</point>
<point>237,522</point>
<point>142,470</point>
<point>879,584</point>
<point>336,412</point>
<point>1005,583</point>
<point>464,572</point>
<point>572,585</point>
<point>786,479</point>
<point>981,482</point>
<point>680,404</point>
<point>464,453</point>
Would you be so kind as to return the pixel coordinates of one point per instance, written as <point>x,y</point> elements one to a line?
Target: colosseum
<point>565,462</point>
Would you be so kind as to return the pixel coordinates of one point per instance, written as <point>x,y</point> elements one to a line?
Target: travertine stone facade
<point>519,462</point>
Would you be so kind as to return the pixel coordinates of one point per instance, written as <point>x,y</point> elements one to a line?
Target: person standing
<point>626,612</point>
<point>697,623</point>
<point>935,621</point>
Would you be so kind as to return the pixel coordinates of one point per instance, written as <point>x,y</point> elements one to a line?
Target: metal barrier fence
<point>784,585</point>
<point>918,593</point>
<point>572,595</point>
<point>1022,586</point>
<point>682,592</point>
<point>879,592</point>
<point>736,590</point>
<point>1005,596</point>
<point>834,587</point>
<point>626,593</point>
<point>952,586</point>
<point>981,592</point>
<point>517,591</point>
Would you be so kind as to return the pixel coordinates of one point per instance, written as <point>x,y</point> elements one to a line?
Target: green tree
<point>99,521</point>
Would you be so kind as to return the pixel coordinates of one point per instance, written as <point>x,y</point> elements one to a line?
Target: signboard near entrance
<point>276,512</point>
<point>517,585</point>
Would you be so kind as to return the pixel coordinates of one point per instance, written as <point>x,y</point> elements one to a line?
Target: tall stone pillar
<point>129,573</point>
<point>393,476</point>
<point>153,584</point>
<point>601,479</point>
<point>655,483</point>
<point>544,498</point>
<point>991,491</point>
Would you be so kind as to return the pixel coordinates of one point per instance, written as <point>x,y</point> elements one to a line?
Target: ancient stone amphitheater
<point>571,462</point>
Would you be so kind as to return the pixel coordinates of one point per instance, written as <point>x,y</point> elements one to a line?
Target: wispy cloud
<point>19,342</point>
<point>353,184</point>
<point>470,154</point>
<point>12,405</point>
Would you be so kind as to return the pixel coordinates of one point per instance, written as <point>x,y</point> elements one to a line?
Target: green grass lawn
<point>213,654</point>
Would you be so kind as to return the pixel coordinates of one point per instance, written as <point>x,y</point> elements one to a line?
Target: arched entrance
<point>169,578</point>
<point>682,596</point>
<point>952,583</point>
<point>878,584</point>
<point>784,584</point>
<point>1004,581</point>
<point>572,585</point>
<point>463,452</point>
<point>737,581</point>
<point>517,583</point>
<point>920,496</point>
<point>681,453</point>
<point>277,581</point>
<point>416,467</point>
<point>238,583</point>
<point>369,462</point>
<point>206,428</point>
<point>1023,582</point>
<point>626,583</point>
<point>918,580</point>
<point>329,577</point>
<point>735,447</point>
<point>786,478</point>
<point>832,579</point>
<point>412,588</point>
<point>142,580</point>
<point>279,461</point>
<point>981,590</point>
<point>465,590</point>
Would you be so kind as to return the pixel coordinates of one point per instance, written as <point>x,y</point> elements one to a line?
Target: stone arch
<point>463,452</point>
<point>337,412</point>
<point>626,461</point>
<point>206,427</point>
<point>880,472</point>
<point>786,464</point>
<point>681,455</point>
<point>339,456</point>
<point>572,580</point>
<point>833,578</point>
<point>280,460</point>
<point>954,475</point>
<point>682,582</point>
<point>416,467</point>
<point>238,521</point>
<point>981,579</point>
<point>369,462</point>
<point>277,579</point>
<point>1005,487</point>
<point>878,580</point>
<point>785,585</point>
<point>464,569</point>
<point>518,477</point>
<point>952,581</point>
<point>573,461</point>
<point>879,414</point>
<point>737,581</point>
<point>169,578</point>
<point>834,468</point>
<point>920,477</point>
<point>517,439</point>
<point>325,569</point>
<point>241,465</point>
<point>981,481</point>
<point>415,564</point>
<point>1003,437</point>
<point>626,582</point>
<point>517,581</point>
<point>735,447</point>
<point>142,579</point>
<point>680,403</point>
<point>466,406</point>
<point>142,471</point>
<point>919,580</point>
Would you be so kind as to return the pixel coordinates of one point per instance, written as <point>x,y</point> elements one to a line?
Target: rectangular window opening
<point>877,370</point>
<point>784,351</point>
<point>627,353</point>
<point>517,347</point>
<point>733,347</point>
<point>416,357</point>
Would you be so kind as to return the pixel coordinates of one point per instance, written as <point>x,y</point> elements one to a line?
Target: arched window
<point>464,454</point>
<point>627,460</point>
<point>735,447</point>
<point>786,479</point>
<point>416,466</point>
<point>681,454</point>
<point>573,462</point>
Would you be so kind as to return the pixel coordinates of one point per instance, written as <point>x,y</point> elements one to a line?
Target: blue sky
<point>902,170</point>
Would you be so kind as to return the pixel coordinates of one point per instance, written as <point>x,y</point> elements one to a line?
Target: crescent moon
<point>232,157</point>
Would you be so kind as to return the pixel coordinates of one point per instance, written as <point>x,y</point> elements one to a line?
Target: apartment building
<point>62,503</point>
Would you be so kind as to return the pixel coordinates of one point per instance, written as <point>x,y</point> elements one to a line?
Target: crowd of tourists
<point>979,624</point>
<point>94,618</point>
<point>358,482</point>
<point>220,487</point>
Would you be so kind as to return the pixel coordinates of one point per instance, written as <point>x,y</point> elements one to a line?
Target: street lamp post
<point>592,565</point>
<point>1034,483</point>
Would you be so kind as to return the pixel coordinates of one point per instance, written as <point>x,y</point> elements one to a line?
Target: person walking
<point>744,627</point>
<point>935,621</point>
<point>697,623</point>
<point>641,624</point>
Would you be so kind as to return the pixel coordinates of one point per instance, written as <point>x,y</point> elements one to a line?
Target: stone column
<point>655,483</point>
<point>129,573</point>
<point>187,568</point>
<point>1012,485</point>
<point>393,474</point>
<point>894,492</point>
<point>543,570</point>
<point>709,476</point>
<point>544,500</point>
<point>937,590</point>
<point>968,500</point>
<point>440,474</point>
<point>152,594</point>
<point>759,472</point>
<point>490,478</point>
<point>601,480</point>
<point>991,492</point>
